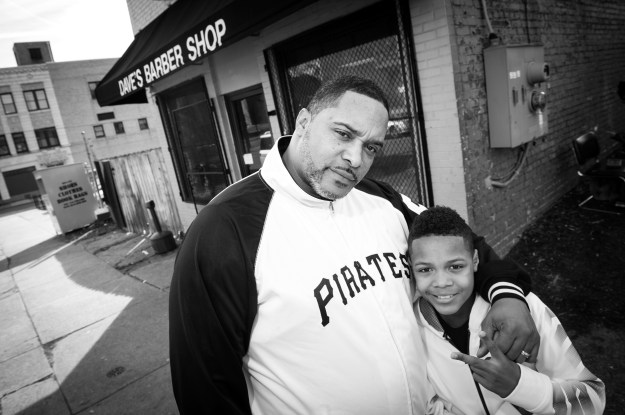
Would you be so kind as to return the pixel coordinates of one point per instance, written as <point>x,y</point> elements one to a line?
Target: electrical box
<point>516,93</point>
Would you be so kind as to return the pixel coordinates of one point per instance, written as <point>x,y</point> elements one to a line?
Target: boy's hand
<point>510,325</point>
<point>496,373</point>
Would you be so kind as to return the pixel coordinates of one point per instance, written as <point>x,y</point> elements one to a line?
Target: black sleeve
<point>212,306</point>
<point>498,278</point>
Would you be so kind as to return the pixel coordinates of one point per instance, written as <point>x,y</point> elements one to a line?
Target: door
<point>194,142</point>
<point>250,127</point>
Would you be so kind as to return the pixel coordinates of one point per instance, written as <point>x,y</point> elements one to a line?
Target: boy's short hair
<point>440,221</point>
<point>331,92</point>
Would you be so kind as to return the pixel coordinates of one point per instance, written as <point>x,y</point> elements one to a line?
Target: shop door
<point>371,43</point>
<point>194,142</point>
<point>250,127</point>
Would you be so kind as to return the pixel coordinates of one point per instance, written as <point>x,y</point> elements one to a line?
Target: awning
<point>185,33</point>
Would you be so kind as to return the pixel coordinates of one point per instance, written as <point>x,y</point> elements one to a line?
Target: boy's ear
<point>476,260</point>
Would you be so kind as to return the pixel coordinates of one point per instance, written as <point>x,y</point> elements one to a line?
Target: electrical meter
<point>516,93</point>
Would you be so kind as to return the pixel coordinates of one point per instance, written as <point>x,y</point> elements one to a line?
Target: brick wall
<point>142,12</point>
<point>584,44</point>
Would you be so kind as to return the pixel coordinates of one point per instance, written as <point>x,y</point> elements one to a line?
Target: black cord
<point>527,24</point>
<point>479,391</point>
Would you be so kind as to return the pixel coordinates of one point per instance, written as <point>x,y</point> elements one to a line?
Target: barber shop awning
<point>186,32</point>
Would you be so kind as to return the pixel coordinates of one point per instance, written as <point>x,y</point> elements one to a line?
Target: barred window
<point>119,127</point>
<point>4,147</point>
<point>46,137</point>
<point>98,130</point>
<point>36,100</point>
<point>7,103</point>
<point>20,142</point>
<point>143,124</point>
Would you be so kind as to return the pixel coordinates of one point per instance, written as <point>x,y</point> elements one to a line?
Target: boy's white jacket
<point>558,383</point>
<point>283,303</point>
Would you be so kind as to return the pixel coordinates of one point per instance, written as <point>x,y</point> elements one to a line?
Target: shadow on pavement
<point>103,333</point>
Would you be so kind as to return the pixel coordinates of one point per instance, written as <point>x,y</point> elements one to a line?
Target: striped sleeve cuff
<point>503,289</point>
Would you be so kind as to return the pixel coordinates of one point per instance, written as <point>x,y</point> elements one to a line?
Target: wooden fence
<point>139,178</point>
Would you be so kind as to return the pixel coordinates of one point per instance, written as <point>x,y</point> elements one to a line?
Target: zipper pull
<point>332,206</point>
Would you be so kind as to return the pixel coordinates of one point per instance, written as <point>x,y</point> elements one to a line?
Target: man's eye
<point>342,133</point>
<point>373,149</point>
<point>423,270</point>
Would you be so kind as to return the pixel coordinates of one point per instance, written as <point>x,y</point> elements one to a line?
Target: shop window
<point>47,138</point>
<point>20,142</point>
<point>4,147</point>
<point>143,124</point>
<point>7,103</point>
<point>92,87</point>
<point>98,131</point>
<point>119,127</point>
<point>36,100</point>
<point>373,44</point>
<point>106,116</point>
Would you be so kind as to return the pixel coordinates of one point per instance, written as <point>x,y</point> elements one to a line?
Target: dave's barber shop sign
<point>194,47</point>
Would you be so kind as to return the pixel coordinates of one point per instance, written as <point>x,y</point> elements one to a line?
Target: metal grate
<point>297,72</point>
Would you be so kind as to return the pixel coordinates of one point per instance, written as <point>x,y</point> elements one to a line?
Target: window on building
<point>35,55</point>
<point>98,130</point>
<point>4,147</point>
<point>36,100</point>
<point>20,142</point>
<point>143,124</point>
<point>119,127</point>
<point>46,137</point>
<point>92,87</point>
<point>7,103</point>
<point>106,116</point>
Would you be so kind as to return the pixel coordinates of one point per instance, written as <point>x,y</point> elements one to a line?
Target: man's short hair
<point>331,92</point>
<point>440,221</point>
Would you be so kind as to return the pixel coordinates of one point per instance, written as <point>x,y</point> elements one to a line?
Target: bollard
<point>162,241</point>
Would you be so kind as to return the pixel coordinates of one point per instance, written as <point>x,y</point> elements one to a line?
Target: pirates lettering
<point>357,277</point>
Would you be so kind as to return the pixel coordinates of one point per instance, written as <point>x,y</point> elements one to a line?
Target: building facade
<point>229,77</point>
<point>50,116</point>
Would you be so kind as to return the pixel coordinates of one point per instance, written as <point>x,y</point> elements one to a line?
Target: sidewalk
<point>83,320</point>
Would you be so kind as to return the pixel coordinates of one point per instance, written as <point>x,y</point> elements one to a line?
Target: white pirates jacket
<point>283,303</point>
<point>558,383</point>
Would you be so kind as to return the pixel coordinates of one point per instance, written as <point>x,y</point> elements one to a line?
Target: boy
<point>443,262</point>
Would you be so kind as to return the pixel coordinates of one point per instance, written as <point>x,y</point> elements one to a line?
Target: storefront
<point>229,78</point>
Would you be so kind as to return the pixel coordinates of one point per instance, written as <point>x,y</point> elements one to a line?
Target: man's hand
<point>510,325</point>
<point>496,373</point>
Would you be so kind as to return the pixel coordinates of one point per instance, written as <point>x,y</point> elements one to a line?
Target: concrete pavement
<point>83,320</point>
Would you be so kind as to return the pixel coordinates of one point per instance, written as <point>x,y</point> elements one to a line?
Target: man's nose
<point>353,153</point>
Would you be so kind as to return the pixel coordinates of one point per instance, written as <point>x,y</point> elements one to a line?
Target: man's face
<point>443,267</point>
<point>335,149</point>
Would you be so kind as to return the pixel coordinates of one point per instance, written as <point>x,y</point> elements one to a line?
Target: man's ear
<point>476,260</point>
<point>303,119</point>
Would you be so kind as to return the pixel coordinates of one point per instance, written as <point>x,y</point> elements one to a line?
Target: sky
<point>76,29</point>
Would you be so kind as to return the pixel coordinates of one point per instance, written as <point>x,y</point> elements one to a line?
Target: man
<point>292,290</point>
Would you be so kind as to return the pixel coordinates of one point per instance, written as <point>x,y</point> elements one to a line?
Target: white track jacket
<point>282,303</point>
<point>558,383</point>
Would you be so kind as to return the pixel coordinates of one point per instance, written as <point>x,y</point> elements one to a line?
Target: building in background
<point>229,77</point>
<point>50,116</point>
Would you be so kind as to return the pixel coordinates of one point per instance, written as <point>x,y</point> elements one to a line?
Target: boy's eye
<point>457,267</point>
<point>423,270</point>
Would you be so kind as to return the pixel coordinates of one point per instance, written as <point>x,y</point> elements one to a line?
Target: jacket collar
<point>275,174</point>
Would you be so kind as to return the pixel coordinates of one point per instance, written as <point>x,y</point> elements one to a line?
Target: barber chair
<point>605,176</point>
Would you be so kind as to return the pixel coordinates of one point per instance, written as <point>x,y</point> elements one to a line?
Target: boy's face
<point>443,267</point>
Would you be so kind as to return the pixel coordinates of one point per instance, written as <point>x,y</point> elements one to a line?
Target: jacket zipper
<point>477,385</point>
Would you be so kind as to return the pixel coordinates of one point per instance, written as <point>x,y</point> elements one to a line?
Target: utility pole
<point>92,169</point>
